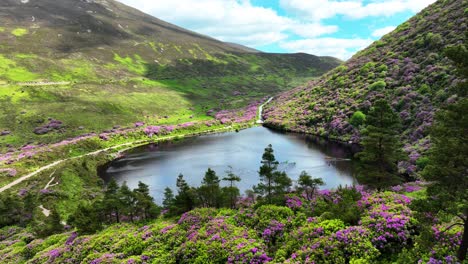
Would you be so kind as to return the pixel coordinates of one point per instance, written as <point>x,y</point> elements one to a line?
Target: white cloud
<point>311,30</point>
<point>336,47</point>
<point>382,31</point>
<point>316,10</point>
<point>242,22</point>
<point>230,20</point>
<point>227,20</point>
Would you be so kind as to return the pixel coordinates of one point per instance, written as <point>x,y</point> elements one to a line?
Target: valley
<point>128,139</point>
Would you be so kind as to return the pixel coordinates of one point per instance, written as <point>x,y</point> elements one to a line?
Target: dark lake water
<point>158,165</point>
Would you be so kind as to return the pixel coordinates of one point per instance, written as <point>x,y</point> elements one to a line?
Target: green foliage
<point>309,185</point>
<point>169,199</point>
<point>422,162</point>
<point>447,165</point>
<point>273,183</point>
<point>357,119</point>
<point>185,198</point>
<point>86,219</point>
<point>209,193</point>
<point>13,209</point>
<point>381,147</point>
<point>44,226</point>
<point>424,89</point>
<point>377,86</point>
<point>231,192</point>
<point>266,213</point>
<point>433,40</point>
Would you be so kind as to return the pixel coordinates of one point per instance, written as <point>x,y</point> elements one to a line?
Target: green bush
<point>377,86</point>
<point>357,119</point>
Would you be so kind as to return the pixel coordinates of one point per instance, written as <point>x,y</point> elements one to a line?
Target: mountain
<point>96,64</point>
<point>407,67</point>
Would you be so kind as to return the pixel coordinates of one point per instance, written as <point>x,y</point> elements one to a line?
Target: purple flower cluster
<point>52,125</point>
<point>391,220</point>
<point>238,115</point>
<point>150,131</point>
<point>294,202</point>
<point>9,171</point>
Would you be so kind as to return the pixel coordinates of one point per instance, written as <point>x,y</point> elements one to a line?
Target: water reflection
<point>158,164</point>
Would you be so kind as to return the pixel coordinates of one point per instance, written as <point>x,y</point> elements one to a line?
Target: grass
<point>19,32</point>
<point>10,71</point>
<point>136,65</point>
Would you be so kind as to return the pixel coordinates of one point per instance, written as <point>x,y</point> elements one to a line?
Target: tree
<point>282,184</point>
<point>309,185</point>
<point>209,191</point>
<point>44,225</point>
<point>185,200</point>
<point>272,182</point>
<point>381,152</point>
<point>232,192</point>
<point>144,203</point>
<point>112,204</point>
<point>86,219</point>
<point>448,158</point>
<point>11,209</point>
<point>128,200</point>
<point>168,201</point>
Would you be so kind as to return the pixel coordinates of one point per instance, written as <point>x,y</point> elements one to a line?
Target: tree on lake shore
<point>381,148</point>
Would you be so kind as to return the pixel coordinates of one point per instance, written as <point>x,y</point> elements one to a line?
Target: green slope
<point>102,64</point>
<point>407,67</point>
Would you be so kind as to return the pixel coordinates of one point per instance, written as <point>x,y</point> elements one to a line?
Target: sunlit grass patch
<point>10,71</point>
<point>19,32</point>
<point>136,65</point>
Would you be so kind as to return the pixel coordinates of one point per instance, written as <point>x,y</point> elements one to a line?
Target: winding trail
<point>260,111</point>
<point>131,144</point>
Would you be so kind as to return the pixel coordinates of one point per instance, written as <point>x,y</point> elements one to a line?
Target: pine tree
<point>86,219</point>
<point>309,185</point>
<point>209,191</point>
<point>231,192</point>
<point>381,148</point>
<point>448,160</point>
<point>273,183</point>
<point>144,202</point>
<point>267,174</point>
<point>112,204</point>
<point>185,200</point>
<point>45,226</point>
<point>168,201</point>
<point>128,200</point>
<point>11,209</point>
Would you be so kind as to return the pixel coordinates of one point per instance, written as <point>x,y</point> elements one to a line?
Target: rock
<point>5,133</point>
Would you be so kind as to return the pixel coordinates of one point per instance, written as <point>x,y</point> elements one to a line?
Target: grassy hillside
<point>407,67</point>
<point>94,65</point>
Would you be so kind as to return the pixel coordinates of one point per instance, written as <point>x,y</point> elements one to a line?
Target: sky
<point>337,28</point>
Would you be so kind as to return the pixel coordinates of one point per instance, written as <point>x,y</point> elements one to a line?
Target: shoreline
<point>128,146</point>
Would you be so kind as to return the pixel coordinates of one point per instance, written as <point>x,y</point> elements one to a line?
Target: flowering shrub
<point>391,220</point>
<point>221,242</point>
<point>344,246</point>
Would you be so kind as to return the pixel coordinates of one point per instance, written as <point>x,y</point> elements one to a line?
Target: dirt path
<point>42,83</point>
<point>51,165</point>
<point>260,111</point>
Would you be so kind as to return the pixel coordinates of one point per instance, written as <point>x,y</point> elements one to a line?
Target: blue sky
<point>336,28</point>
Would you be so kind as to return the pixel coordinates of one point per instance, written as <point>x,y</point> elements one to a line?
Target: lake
<point>158,165</point>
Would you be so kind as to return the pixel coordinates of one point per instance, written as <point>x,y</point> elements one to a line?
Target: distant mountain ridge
<point>407,67</point>
<point>116,65</point>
